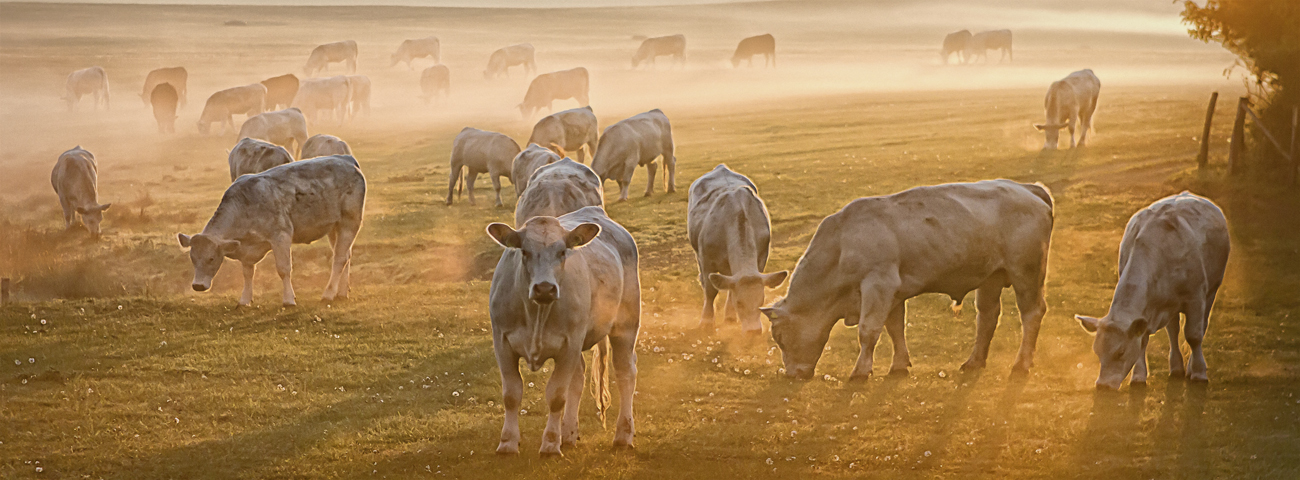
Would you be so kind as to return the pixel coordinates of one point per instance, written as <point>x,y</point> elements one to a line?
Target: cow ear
<point>185,240</point>
<point>103,207</point>
<point>773,280</point>
<point>1089,323</point>
<point>722,282</point>
<point>1039,126</point>
<point>504,235</point>
<point>581,235</point>
<point>229,247</point>
<point>1138,328</point>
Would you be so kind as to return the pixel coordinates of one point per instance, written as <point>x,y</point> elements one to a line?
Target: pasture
<point>110,367</point>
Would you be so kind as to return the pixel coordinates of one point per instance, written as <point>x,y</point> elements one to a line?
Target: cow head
<point>206,253</point>
<point>747,290</point>
<point>543,245</point>
<point>800,338</point>
<point>1119,348</point>
<point>92,216</point>
<point>735,62</point>
<point>1053,131</point>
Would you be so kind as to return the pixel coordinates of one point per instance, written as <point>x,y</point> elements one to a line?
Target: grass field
<point>110,367</point>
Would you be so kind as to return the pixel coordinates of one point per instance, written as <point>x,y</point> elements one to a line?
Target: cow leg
<point>451,182</point>
<point>470,177</point>
<point>246,298</point>
<point>877,299</point>
<point>512,395</point>
<point>651,169</point>
<point>1176,367</point>
<point>730,315</point>
<point>1071,127</point>
<point>622,190</point>
<point>988,305</point>
<point>1032,303</point>
<point>496,185</point>
<point>710,294</point>
<point>342,258</point>
<point>1140,369</point>
<point>284,266</point>
<point>557,391</point>
<point>623,352</point>
<point>894,325</point>
<point>670,168</point>
<point>569,431</point>
<point>69,214</point>
<point>1194,331</point>
<point>1085,121</point>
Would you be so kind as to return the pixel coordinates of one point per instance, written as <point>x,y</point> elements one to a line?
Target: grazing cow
<point>501,60</point>
<point>75,178</point>
<point>559,188</point>
<point>176,76</point>
<point>1070,101</point>
<point>287,128</point>
<point>268,212</point>
<point>674,45</point>
<point>435,81</point>
<point>764,45</point>
<point>866,260</point>
<point>247,100</point>
<point>251,156</point>
<point>331,95</point>
<point>1171,261</point>
<point>730,232</point>
<point>633,142</point>
<point>549,87</point>
<point>569,130</point>
<point>563,286</point>
<point>478,151</point>
<point>360,85</point>
<point>527,162</point>
<point>321,145</point>
<point>164,100</point>
<point>338,52</point>
<point>280,91</point>
<point>955,42</point>
<point>982,42</point>
<point>87,81</point>
<point>410,50</point>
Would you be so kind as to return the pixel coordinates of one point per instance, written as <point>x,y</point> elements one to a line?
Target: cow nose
<point>544,292</point>
<point>199,287</point>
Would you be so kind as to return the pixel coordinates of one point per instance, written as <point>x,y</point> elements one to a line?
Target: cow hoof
<point>860,377</point>
<point>507,449</point>
<point>1177,375</point>
<point>898,372</point>
<point>448,203</point>
<point>1199,378</point>
<point>289,305</point>
<point>1019,371</point>
<point>971,366</point>
<point>623,444</point>
<point>707,327</point>
<point>550,452</point>
<point>1137,384</point>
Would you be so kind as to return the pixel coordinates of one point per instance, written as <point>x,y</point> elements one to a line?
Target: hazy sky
<point>426,3</point>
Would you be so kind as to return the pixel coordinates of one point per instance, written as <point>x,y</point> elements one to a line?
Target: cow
<point>955,42</point>
<point>1070,101</point>
<point>549,87</point>
<point>982,42</point>
<point>764,45</point>
<point>268,212</point>
<point>163,98</point>
<point>337,52</point>
<point>435,82</point>
<point>251,156</point>
<point>527,162</point>
<point>866,260</point>
<point>332,95</point>
<point>570,130</point>
<point>321,145</point>
<point>632,142</point>
<point>75,179</point>
<point>287,128</point>
<point>1171,261</point>
<point>87,81</point>
<point>410,50</point>
<point>505,57</point>
<point>730,232</point>
<point>477,151</point>
<point>559,188</point>
<point>280,91</point>
<point>672,45</point>
<point>247,100</point>
<point>564,285</point>
<point>360,94</point>
<point>176,76</point>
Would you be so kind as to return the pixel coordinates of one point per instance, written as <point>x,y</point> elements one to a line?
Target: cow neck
<point>811,280</point>
<point>1135,288</point>
<point>743,260</point>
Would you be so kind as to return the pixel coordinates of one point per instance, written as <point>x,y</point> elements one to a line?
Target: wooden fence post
<point>1204,157</point>
<point>1238,145</point>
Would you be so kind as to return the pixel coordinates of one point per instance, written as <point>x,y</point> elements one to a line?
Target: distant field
<point>121,372</point>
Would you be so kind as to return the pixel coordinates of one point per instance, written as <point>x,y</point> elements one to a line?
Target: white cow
<point>548,87</point>
<point>337,52</point>
<point>671,45</point>
<point>331,95</point>
<point>478,151</point>
<point>570,130</point>
<point>410,50</point>
<point>501,60</point>
<point>866,260</point>
<point>321,145</point>
<point>527,162</point>
<point>563,286</point>
<point>559,188</point>
<point>1171,261</point>
<point>87,81</point>
<point>634,141</point>
<point>287,128</point>
<point>221,107</point>
<point>251,155</point>
<point>176,76</point>
<point>1070,101</point>
<point>268,212</point>
<point>729,229</point>
<point>75,179</point>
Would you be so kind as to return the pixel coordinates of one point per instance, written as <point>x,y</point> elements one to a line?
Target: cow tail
<point>600,379</point>
<point>460,182</point>
<point>106,102</point>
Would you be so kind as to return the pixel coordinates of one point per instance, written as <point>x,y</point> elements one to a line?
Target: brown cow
<point>176,76</point>
<point>549,87</point>
<point>164,100</point>
<point>764,45</point>
<point>672,45</point>
<point>435,81</point>
<point>280,91</point>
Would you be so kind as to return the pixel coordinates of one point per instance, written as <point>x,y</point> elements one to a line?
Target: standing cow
<point>280,91</point>
<point>563,286</point>
<point>331,95</point>
<point>570,130</point>
<point>633,142</point>
<point>360,95</point>
<point>549,87</point>
<point>321,145</point>
<point>164,99</point>
<point>88,81</point>
<point>435,82</point>
<point>287,128</point>
<point>1171,261</point>
<point>671,45</point>
<point>527,162</point>
<point>982,42</point>
<point>251,156</point>
<point>477,151</point>
<point>764,45</point>
<point>730,231</point>
<point>410,50</point>
<point>501,60</point>
<point>75,179</point>
<point>866,260</point>
<point>337,52</point>
<point>955,42</point>
<point>221,107</point>
<point>559,188</point>
<point>270,211</point>
<point>176,76</point>
<point>1070,101</point>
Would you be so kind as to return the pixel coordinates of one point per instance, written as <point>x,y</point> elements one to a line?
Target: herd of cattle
<point>568,279</point>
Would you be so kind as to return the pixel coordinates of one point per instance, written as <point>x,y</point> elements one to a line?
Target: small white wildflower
<point>927,453</point>
<point>455,394</point>
<point>942,374</point>
<point>769,461</point>
<point>31,360</point>
<point>523,412</point>
<point>119,307</point>
<point>42,321</point>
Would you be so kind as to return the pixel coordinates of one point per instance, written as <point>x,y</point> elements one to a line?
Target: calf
<point>477,151</point>
<point>164,99</point>
<point>1071,100</point>
<point>321,145</point>
<point>286,127</point>
<point>269,211</point>
<point>559,188</point>
<point>435,81</point>
<point>569,130</point>
<point>75,179</point>
<point>251,155</point>
<point>176,76</point>
<point>634,141</point>
<point>562,286</point>
<point>1171,261</point>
